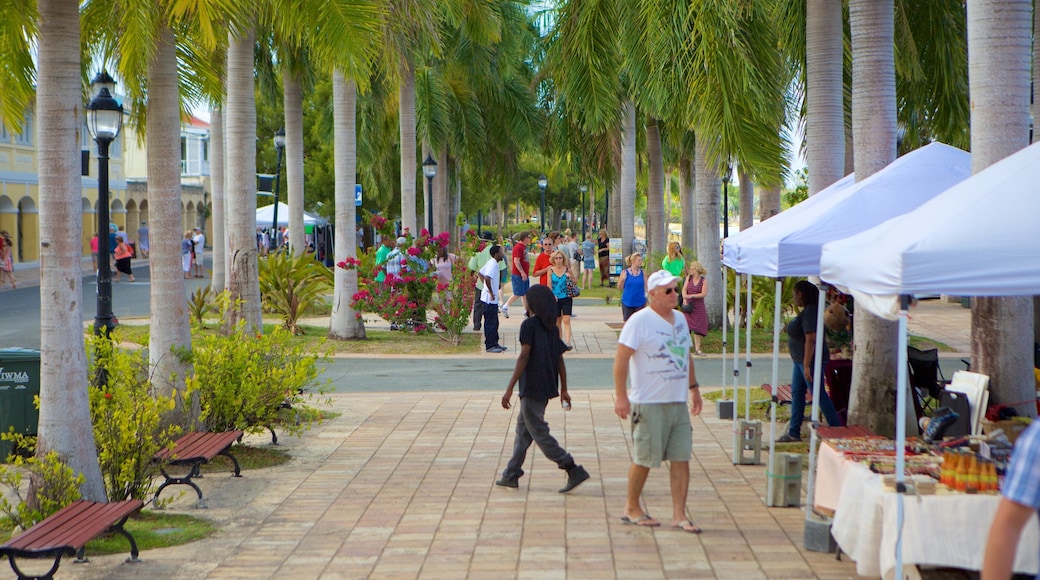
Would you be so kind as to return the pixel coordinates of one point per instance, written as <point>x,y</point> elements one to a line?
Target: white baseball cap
<point>661,278</point>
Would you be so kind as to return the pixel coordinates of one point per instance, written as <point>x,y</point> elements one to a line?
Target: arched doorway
<point>9,219</point>
<point>188,223</point>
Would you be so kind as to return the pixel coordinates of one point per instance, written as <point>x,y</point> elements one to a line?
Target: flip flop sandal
<point>687,526</point>
<point>640,521</point>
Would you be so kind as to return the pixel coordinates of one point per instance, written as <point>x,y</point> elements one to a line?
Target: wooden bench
<point>67,531</point>
<point>192,451</point>
<point>783,393</point>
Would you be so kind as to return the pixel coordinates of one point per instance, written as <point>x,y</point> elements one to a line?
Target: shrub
<point>129,422</point>
<point>292,286</point>
<point>244,379</point>
<point>58,485</point>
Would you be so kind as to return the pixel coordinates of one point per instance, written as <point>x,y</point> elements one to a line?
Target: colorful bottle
<point>971,484</point>
<point>961,474</point>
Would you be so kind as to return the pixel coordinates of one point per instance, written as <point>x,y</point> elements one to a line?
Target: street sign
<point>357,194</point>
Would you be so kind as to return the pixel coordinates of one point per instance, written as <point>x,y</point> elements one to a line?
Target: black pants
<point>478,311</point>
<point>490,325</point>
<point>532,428</point>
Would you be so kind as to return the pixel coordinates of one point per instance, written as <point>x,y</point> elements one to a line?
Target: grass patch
<point>249,457</point>
<point>150,529</point>
<point>760,412</point>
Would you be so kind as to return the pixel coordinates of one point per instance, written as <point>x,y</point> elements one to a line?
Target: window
<point>184,155</point>
<point>25,137</point>
<point>4,137</point>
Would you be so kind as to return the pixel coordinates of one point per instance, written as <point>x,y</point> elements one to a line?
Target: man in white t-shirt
<point>490,296</point>
<point>654,351</point>
<point>199,241</point>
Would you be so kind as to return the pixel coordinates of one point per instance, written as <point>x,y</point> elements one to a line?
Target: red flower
<point>108,396</point>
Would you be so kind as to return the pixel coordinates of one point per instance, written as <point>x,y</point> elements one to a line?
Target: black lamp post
<point>583,188</point>
<point>429,169</point>
<point>542,183</point>
<point>725,202</point>
<point>279,144</point>
<point>104,120</point>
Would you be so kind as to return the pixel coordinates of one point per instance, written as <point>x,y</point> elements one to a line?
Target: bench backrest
<point>199,444</point>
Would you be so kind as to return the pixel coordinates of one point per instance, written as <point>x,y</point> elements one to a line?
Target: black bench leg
<point>49,574</point>
<point>118,528</point>
<point>178,480</point>
<point>227,453</point>
<point>274,437</point>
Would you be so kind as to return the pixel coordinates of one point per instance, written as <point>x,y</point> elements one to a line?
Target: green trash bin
<point>19,386</point>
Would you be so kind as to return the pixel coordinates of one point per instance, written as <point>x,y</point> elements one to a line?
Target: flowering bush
<point>454,308</point>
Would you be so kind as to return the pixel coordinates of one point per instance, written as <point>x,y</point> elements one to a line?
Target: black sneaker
<point>507,483</point>
<point>575,477</point>
<point>495,349</point>
<point>787,438</point>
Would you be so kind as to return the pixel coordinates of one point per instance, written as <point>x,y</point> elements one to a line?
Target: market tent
<point>265,216</point>
<point>990,221</point>
<point>791,246</point>
<point>979,238</point>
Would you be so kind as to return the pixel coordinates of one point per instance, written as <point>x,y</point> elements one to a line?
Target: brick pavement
<point>402,486</point>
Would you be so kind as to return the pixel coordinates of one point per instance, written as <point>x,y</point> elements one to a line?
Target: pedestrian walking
<point>588,261</point>
<point>603,252</point>
<point>673,262</point>
<point>199,246</point>
<point>559,274</point>
<point>123,254</point>
<point>542,375</point>
<point>654,352</point>
<point>186,249</point>
<point>7,259</point>
<point>520,269</point>
<point>144,240</point>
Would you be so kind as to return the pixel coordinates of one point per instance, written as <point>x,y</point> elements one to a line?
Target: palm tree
<point>240,183</point>
<point>874,131</point>
<point>216,167</point>
<point>999,65</point>
<point>656,222</point>
<point>65,424</point>
<point>824,73</point>
<point>292,86</point>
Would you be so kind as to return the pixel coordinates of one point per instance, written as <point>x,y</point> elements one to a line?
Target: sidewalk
<point>403,487</point>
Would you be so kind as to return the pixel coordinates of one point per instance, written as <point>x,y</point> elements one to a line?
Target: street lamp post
<point>725,203</point>
<point>104,120</point>
<point>583,188</point>
<point>279,144</point>
<point>429,169</point>
<point>542,183</point>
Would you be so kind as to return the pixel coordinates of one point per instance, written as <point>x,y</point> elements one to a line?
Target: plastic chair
<point>838,374</point>
<point>925,376</point>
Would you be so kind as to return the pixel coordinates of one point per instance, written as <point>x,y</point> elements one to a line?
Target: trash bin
<point>19,386</point>
<point>966,301</point>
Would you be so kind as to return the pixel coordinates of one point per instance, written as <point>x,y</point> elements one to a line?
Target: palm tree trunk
<point>443,217</point>
<point>708,192</point>
<point>170,323</point>
<point>627,193</point>
<point>872,399</point>
<point>825,123</point>
<point>747,200</point>
<point>345,323</point>
<point>216,167</point>
<point>65,424</point>
<point>768,202</point>
<point>687,197</point>
<point>408,160</point>
<point>293,103</point>
<point>998,76</point>
<point>656,223</point>
<point>243,280</point>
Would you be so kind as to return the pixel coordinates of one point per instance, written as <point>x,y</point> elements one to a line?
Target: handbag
<point>572,290</point>
<point>687,306</point>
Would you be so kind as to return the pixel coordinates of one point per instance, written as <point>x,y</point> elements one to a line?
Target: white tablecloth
<point>830,475</point>
<point>938,530</point>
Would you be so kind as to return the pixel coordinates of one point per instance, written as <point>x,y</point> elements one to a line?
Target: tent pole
<point>747,354</point>
<point>771,475</point>
<point>816,387</point>
<point>736,368</point>
<point>901,388</point>
<point>725,323</point>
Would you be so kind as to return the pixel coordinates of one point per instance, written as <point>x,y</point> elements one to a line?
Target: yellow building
<point>128,184</point>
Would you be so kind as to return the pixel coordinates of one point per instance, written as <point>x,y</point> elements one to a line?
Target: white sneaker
<point>504,310</point>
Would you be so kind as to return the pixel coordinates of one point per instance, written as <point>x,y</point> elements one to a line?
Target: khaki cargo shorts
<point>661,432</point>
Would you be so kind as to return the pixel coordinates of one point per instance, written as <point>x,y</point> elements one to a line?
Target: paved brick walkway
<point>402,486</point>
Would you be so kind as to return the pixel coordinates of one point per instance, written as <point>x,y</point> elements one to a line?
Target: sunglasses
<point>668,291</point>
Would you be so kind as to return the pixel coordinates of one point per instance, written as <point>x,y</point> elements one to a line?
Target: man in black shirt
<point>537,368</point>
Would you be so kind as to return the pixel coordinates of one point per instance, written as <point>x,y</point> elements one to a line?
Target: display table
<point>938,530</point>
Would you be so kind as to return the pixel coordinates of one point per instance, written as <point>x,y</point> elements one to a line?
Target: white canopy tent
<point>790,243</point>
<point>990,221</point>
<point>265,216</point>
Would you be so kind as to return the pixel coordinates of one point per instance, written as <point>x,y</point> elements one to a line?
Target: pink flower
<point>424,233</point>
<point>413,251</point>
